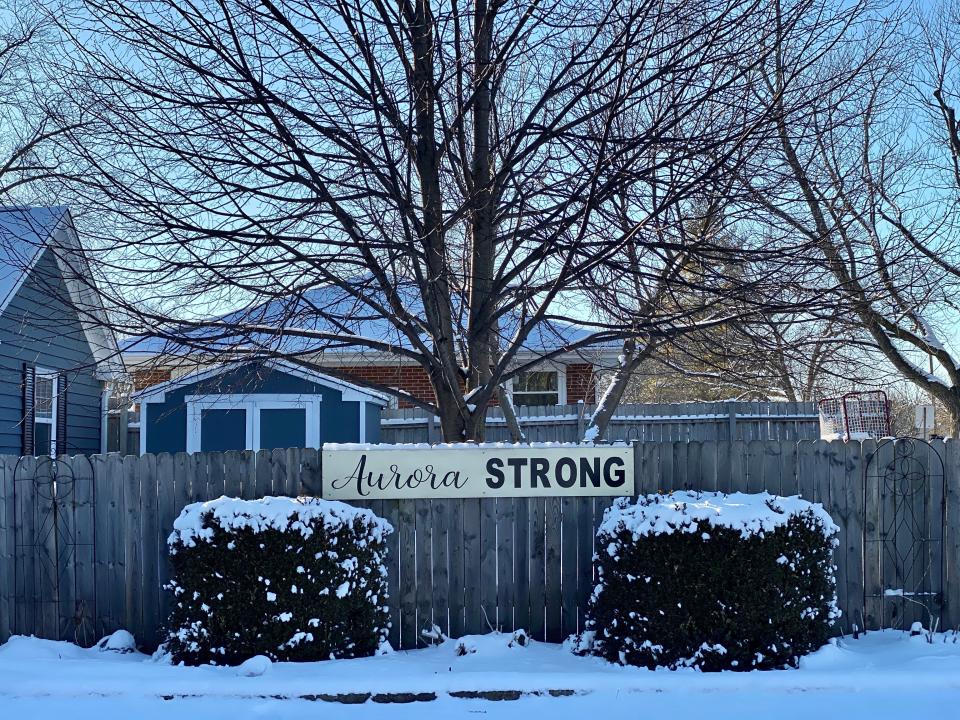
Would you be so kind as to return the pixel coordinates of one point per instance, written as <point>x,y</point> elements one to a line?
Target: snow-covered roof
<point>157,393</point>
<point>25,233</point>
<point>332,309</point>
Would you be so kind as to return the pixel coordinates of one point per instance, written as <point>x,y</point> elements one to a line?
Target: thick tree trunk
<point>953,411</point>
<point>482,337</point>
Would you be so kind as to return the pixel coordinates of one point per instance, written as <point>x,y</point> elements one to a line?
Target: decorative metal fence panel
<point>468,565</point>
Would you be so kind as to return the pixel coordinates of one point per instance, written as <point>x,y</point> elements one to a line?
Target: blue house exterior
<point>256,405</point>
<point>57,356</point>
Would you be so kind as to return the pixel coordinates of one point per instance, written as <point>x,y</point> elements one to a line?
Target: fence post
<point>732,421</point>
<point>431,429</point>
<point>580,427</point>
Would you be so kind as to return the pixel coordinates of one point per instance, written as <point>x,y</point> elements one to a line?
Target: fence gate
<point>904,492</point>
<point>49,552</point>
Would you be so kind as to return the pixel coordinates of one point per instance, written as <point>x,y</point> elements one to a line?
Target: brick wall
<point>414,380</point>
<point>146,378</point>
<point>581,383</point>
<point>410,378</point>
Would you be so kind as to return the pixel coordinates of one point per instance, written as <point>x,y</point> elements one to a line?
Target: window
<point>538,387</point>
<point>45,413</point>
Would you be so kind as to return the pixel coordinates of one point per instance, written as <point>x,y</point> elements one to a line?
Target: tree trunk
<point>630,360</point>
<point>482,337</point>
<point>953,409</point>
<point>510,415</point>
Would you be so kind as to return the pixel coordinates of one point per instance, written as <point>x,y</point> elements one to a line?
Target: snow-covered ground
<point>883,675</point>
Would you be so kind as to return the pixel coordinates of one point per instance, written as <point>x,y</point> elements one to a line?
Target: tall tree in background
<point>447,166</point>
<point>25,126</point>
<point>696,265</point>
<point>872,181</point>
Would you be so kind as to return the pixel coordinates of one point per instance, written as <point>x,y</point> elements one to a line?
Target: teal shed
<point>256,405</point>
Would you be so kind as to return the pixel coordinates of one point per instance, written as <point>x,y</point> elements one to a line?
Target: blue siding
<point>40,327</point>
<point>166,422</point>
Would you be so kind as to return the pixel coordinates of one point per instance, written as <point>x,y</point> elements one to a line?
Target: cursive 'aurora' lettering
<point>366,481</point>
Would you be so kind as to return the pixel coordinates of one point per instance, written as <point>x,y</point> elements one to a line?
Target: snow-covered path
<point>883,675</point>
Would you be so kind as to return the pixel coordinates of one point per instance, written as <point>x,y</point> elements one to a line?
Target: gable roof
<point>306,311</point>
<point>351,392</point>
<point>26,233</point>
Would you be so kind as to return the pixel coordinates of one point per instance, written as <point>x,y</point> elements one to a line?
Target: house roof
<point>351,392</point>
<point>332,309</point>
<point>25,234</point>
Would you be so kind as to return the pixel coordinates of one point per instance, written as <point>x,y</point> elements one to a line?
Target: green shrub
<point>291,579</point>
<point>712,581</point>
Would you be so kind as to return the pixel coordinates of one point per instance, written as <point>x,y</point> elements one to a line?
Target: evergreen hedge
<point>291,579</point>
<point>712,581</point>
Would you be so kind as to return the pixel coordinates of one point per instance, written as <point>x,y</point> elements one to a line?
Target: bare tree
<point>448,167</point>
<point>26,125</point>
<point>871,180</point>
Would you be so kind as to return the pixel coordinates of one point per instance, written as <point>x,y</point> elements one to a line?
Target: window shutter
<point>29,380</point>
<point>61,419</point>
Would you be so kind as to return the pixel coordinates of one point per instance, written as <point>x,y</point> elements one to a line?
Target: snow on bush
<point>289,579</point>
<point>712,581</point>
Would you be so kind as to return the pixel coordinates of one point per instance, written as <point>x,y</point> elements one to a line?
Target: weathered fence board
<point>7,552</point>
<point>406,530</point>
<point>647,422</point>
<point>468,565</point>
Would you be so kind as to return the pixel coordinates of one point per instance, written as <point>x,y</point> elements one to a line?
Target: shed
<point>256,405</point>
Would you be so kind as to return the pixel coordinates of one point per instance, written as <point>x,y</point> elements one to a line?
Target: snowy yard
<point>885,674</point>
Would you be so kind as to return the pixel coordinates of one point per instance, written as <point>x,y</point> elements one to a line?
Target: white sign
<point>923,417</point>
<point>390,472</point>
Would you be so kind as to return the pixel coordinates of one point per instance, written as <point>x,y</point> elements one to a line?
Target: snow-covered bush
<point>290,579</point>
<point>712,581</point>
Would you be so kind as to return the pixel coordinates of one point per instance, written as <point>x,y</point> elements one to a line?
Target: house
<point>58,358</point>
<point>564,378</point>
<point>255,405</point>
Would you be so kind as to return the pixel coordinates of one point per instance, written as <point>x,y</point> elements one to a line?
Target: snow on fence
<point>648,422</point>
<point>83,541</point>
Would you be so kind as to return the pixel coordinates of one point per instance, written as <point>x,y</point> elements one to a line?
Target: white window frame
<point>252,404</point>
<point>560,370</point>
<point>53,375</point>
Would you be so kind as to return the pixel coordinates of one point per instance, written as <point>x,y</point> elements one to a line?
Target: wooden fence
<point>652,422</point>
<point>83,541</point>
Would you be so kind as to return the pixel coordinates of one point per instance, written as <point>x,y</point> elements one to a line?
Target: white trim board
<point>350,392</point>
<point>252,404</point>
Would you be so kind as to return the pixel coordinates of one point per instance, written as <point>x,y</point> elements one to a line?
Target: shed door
<point>282,428</point>
<point>223,429</point>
